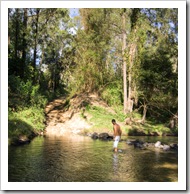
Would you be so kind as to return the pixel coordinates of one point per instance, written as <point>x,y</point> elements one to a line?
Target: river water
<point>81,159</point>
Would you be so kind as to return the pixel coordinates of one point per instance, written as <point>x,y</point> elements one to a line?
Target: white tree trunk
<point>124,64</point>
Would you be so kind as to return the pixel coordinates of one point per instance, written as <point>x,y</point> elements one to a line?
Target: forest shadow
<point>161,167</point>
<point>19,132</point>
<point>151,129</point>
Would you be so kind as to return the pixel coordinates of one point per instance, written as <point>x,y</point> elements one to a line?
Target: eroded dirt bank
<point>63,116</point>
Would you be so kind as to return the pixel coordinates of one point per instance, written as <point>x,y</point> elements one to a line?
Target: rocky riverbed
<point>135,143</point>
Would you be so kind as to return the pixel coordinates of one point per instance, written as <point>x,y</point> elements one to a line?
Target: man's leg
<point>116,143</point>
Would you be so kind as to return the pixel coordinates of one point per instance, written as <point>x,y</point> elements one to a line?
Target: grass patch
<point>25,122</point>
<point>151,127</point>
<point>148,128</point>
<point>101,119</point>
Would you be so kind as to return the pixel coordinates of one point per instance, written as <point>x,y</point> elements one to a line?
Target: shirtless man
<point>116,134</point>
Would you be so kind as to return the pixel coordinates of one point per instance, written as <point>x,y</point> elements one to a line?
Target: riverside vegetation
<point>83,114</point>
<point>118,63</point>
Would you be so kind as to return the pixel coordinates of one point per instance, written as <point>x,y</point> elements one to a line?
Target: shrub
<point>26,121</point>
<point>36,99</point>
<point>24,94</point>
<point>112,94</point>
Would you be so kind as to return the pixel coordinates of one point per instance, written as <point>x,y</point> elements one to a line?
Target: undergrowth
<point>25,122</point>
<point>101,120</point>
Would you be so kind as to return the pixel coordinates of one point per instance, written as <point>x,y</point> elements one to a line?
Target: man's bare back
<point>116,133</point>
<point>117,130</point>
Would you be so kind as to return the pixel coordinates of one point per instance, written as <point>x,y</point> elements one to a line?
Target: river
<point>81,159</point>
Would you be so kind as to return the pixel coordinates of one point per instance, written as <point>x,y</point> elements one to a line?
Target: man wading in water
<point>116,134</point>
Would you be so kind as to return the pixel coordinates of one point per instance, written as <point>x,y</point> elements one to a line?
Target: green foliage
<point>36,99</point>
<point>101,118</point>
<point>91,58</point>
<point>19,92</point>
<point>24,94</point>
<point>25,122</point>
<point>92,50</point>
<point>18,128</point>
<point>17,85</point>
<point>157,84</point>
<point>26,108</point>
<point>32,116</point>
<point>112,94</point>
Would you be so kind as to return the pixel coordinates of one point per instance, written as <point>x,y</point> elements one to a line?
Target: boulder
<point>166,147</point>
<point>174,146</point>
<point>129,142</point>
<point>103,136</point>
<point>157,144</point>
<point>145,144</point>
<point>94,135</point>
<point>151,145</point>
<point>137,143</point>
<point>21,140</point>
<point>111,138</point>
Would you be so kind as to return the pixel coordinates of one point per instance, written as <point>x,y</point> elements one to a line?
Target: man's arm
<point>120,132</point>
<point>114,131</point>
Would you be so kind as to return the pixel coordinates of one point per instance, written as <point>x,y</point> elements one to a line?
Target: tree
<point>15,46</point>
<point>124,60</point>
<point>24,43</point>
<point>92,49</point>
<point>157,80</point>
<point>125,53</point>
<point>54,43</point>
<point>37,12</point>
<point>32,35</point>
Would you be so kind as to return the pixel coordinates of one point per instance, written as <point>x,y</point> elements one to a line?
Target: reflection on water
<point>115,163</point>
<point>81,159</point>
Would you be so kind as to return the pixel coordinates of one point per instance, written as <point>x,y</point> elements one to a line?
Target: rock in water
<point>174,146</point>
<point>166,147</point>
<point>103,136</point>
<point>94,136</point>
<point>157,144</point>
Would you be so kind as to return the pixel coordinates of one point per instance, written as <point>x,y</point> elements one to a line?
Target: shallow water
<point>81,159</point>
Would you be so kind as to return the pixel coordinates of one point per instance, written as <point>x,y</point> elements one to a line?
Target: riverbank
<point>88,113</point>
<point>81,114</point>
<point>25,124</point>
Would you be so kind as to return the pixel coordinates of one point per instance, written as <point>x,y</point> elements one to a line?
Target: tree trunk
<point>135,95</point>
<point>16,33</point>
<point>24,45</point>
<point>174,121</point>
<point>41,62</point>
<point>144,113</point>
<point>9,11</point>
<point>124,62</point>
<point>36,38</point>
<point>132,52</point>
<point>9,36</point>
